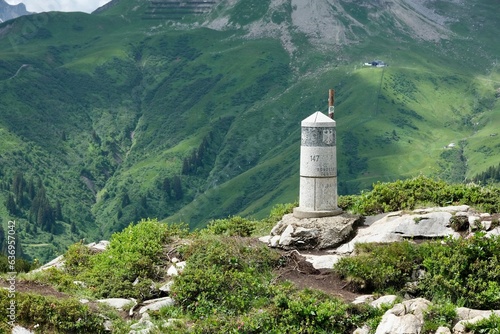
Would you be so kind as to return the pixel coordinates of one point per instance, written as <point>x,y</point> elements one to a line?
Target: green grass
<point>96,81</point>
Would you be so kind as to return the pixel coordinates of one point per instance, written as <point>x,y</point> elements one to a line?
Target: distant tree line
<point>491,175</point>
<point>25,199</point>
<point>193,162</point>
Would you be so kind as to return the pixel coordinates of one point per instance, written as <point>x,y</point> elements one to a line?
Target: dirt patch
<point>34,287</point>
<point>304,276</point>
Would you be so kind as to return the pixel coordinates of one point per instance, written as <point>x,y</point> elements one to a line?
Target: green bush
<point>290,310</point>
<point>224,275</point>
<point>439,314</point>
<point>53,315</point>
<point>410,193</point>
<point>465,271</point>
<point>461,271</point>
<point>489,325</point>
<point>380,266</point>
<point>77,258</point>
<point>232,226</point>
<point>135,253</point>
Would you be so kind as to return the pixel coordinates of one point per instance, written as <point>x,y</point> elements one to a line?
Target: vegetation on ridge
<point>230,282</point>
<point>122,115</point>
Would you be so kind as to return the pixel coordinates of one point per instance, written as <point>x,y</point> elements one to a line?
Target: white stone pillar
<point>318,168</point>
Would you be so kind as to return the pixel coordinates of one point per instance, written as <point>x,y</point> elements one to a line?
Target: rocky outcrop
<point>58,262</point>
<point>312,233</point>
<point>417,224</point>
<point>8,12</point>
<point>406,317</point>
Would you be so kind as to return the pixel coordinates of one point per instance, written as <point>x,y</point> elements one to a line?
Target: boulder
<point>156,304</point>
<point>117,303</point>
<point>470,316</point>
<point>312,233</point>
<point>397,226</point>
<point>322,261</point>
<point>20,330</point>
<point>406,317</point>
<point>98,246</point>
<point>384,300</point>
<point>443,330</point>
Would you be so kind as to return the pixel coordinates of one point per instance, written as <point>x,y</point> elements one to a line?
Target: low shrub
<point>490,325</point>
<point>134,255</point>
<point>224,275</point>
<point>441,313</point>
<point>461,271</point>
<point>465,271</point>
<point>232,226</point>
<point>376,267</point>
<point>421,190</point>
<point>52,315</point>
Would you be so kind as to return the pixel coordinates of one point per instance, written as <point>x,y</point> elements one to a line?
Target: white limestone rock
<point>322,261</point>
<point>156,304</point>
<point>389,299</point>
<point>365,299</point>
<point>172,271</point>
<point>117,303</point>
<point>21,330</point>
<point>313,233</point>
<point>443,330</point>
<point>396,226</point>
<point>166,287</point>
<point>406,317</point>
<point>99,246</point>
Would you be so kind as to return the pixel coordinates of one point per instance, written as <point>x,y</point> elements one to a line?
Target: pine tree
<point>167,188</point>
<point>177,187</point>
<point>10,203</point>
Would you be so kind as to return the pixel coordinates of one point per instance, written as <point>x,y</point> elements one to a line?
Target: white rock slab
<point>156,304</point>
<point>389,299</point>
<point>322,261</point>
<point>443,330</point>
<point>117,303</point>
<point>21,330</point>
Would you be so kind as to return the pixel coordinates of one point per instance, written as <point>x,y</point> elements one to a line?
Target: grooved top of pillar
<point>318,119</point>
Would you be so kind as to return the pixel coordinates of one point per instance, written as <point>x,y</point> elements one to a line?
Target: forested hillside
<point>189,112</point>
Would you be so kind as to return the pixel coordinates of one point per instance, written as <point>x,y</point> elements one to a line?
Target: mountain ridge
<point>123,116</point>
<point>8,12</point>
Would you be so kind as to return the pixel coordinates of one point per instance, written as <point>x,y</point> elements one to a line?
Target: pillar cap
<point>319,120</point>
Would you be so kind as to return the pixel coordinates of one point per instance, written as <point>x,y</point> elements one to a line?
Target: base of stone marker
<point>304,213</point>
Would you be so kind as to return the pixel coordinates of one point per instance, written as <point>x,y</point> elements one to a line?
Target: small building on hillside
<point>376,63</point>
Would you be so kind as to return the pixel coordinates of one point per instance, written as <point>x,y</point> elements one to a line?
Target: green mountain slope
<point>191,111</point>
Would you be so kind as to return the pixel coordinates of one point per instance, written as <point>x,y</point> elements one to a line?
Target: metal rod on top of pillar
<point>331,101</point>
<point>318,166</point>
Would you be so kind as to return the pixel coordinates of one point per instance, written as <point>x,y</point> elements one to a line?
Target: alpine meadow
<point>190,111</point>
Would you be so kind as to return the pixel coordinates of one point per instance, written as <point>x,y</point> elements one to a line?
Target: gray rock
<point>156,304</point>
<point>389,299</point>
<point>464,313</point>
<point>265,239</point>
<point>142,327</point>
<point>397,226</point>
<point>363,330</point>
<point>117,303</point>
<point>443,330</point>
<point>322,261</point>
<point>57,263</point>
<point>21,330</point>
<point>365,299</point>
<point>406,317</point>
<point>313,233</point>
<point>166,287</point>
<point>99,246</point>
